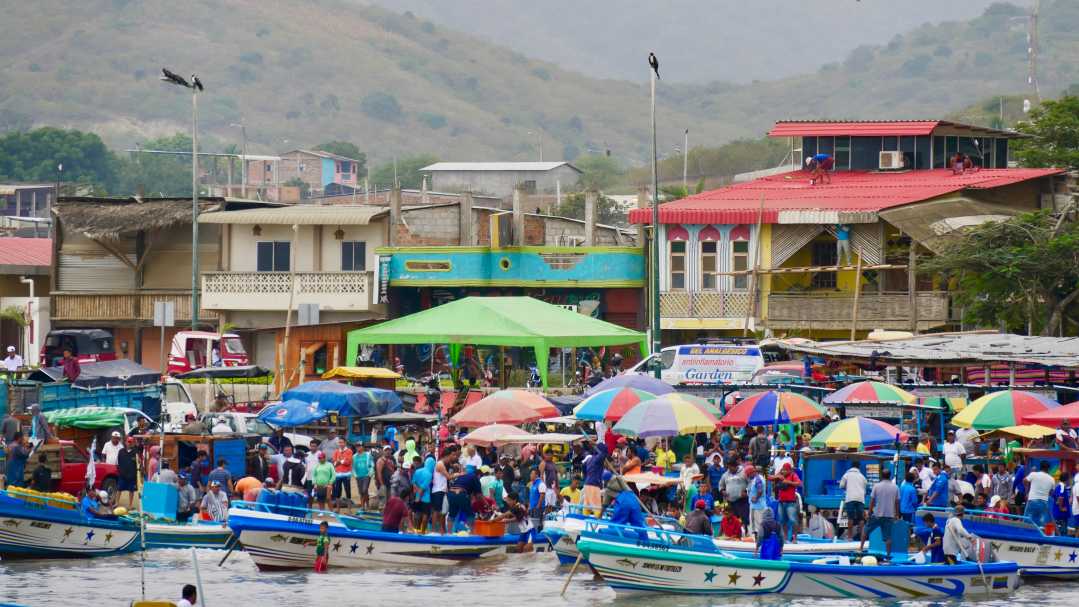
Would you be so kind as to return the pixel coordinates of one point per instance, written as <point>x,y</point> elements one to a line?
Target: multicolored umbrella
<point>696,400</point>
<point>610,404</point>
<point>773,408</point>
<point>858,433</point>
<point>665,417</point>
<point>532,399</point>
<point>1004,408</point>
<point>632,380</point>
<point>869,392</point>
<point>493,434</point>
<point>496,411</point>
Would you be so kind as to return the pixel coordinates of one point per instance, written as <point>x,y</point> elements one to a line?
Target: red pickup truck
<point>68,463</point>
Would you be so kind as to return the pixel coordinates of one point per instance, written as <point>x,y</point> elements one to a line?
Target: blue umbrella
<point>632,380</point>
<point>346,400</point>
<point>291,413</point>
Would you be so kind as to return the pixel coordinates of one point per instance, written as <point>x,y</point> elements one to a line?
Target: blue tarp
<point>346,400</point>
<point>291,413</point>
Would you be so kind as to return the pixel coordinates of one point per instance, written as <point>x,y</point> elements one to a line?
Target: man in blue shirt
<point>934,539</point>
<point>842,244</point>
<point>626,510</point>
<point>593,478</point>
<point>908,498</point>
<point>938,491</point>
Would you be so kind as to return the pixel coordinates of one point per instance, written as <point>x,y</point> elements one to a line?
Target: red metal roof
<point>848,192</point>
<point>25,251</point>
<point>873,128</point>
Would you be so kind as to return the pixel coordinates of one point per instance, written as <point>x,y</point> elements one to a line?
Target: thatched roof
<point>109,218</point>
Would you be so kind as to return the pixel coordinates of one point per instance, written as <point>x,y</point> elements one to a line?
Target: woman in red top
<point>342,467</point>
<point>730,525</point>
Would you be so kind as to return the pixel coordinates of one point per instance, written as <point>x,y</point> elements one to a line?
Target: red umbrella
<point>1053,417</point>
<point>496,411</point>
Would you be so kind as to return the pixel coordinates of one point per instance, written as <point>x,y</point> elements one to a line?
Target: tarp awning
<point>346,400</point>
<point>931,222</point>
<point>521,322</point>
<point>360,373</point>
<point>405,417</point>
<point>246,371</point>
<point>86,418</point>
<point>120,373</point>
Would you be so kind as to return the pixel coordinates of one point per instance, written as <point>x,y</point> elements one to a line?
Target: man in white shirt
<point>967,437</point>
<point>472,458</point>
<point>221,426</point>
<point>1039,485</point>
<point>955,536</point>
<point>953,452</point>
<point>190,596</point>
<point>854,484</point>
<point>12,361</point>
<point>111,451</point>
<point>780,460</point>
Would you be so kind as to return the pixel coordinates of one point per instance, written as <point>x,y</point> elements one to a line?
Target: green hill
<point>300,73</point>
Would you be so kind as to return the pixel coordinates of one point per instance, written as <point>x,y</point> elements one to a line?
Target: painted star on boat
<point>733,578</point>
<point>370,548</point>
<point>337,547</point>
<point>1059,554</point>
<point>67,534</point>
<point>108,537</point>
<point>89,536</point>
<point>710,575</point>
<point>1074,555</point>
<point>353,548</point>
<point>757,579</point>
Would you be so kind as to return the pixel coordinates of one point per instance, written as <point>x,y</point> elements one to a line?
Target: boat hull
<point>29,531</point>
<point>662,568</point>
<point>162,535</point>
<point>280,542</point>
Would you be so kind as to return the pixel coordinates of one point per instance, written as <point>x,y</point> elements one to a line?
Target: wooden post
<point>857,295</point>
<point>912,285</point>
<point>751,309</point>
<point>502,367</point>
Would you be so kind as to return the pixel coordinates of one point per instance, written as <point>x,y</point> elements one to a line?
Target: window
<point>842,153</point>
<point>678,266</point>
<point>428,266</point>
<point>907,145</point>
<point>824,254</point>
<point>889,143</point>
<point>529,186</point>
<point>939,157</point>
<point>709,265</point>
<point>273,255</point>
<point>809,148</point>
<point>865,153</point>
<point>740,263</point>
<point>353,256</point>
<point>922,155</point>
<point>826,145</point>
<point>951,146</point>
<point>345,168</point>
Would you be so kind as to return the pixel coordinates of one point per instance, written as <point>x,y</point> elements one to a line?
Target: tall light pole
<point>539,142</point>
<point>243,154</point>
<point>656,341</point>
<point>196,86</point>
<point>685,164</point>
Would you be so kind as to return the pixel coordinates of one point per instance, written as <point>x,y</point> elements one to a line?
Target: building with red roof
<point>24,262</point>
<point>767,253</point>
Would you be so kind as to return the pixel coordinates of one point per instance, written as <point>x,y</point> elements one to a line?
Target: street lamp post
<point>243,154</point>
<point>196,86</point>
<point>656,342</point>
<point>539,142</point>
<point>685,164</point>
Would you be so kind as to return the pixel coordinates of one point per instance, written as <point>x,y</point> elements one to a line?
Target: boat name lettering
<point>299,519</point>
<point>653,545</point>
<point>1014,548</point>
<point>40,525</point>
<point>660,567</point>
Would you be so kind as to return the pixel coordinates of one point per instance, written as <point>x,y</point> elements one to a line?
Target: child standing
<point>322,557</point>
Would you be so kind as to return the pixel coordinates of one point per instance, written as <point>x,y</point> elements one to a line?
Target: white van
<point>702,364</point>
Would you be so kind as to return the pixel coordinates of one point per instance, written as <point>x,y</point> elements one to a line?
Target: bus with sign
<point>703,364</point>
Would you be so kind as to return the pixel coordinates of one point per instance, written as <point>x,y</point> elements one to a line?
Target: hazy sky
<point>736,40</point>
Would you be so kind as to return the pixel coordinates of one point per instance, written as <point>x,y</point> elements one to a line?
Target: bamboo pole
<point>912,286</point>
<point>751,309</point>
<point>857,296</point>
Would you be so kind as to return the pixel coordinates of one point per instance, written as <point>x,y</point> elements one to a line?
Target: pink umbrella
<point>496,411</point>
<point>536,401</point>
<point>487,436</point>
<point>1054,417</point>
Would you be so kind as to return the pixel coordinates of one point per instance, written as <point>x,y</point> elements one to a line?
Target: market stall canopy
<point>1027,431</point>
<point>120,373</point>
<point>349,401</point>
<point>360,373</point>
<point>870,392</point>
<point>1054,417</point>
<point>404,417</point>
<point>494,434</point>
<point>540,404</point>
<point>858,433</point>
<point>651,478</point>
<point>665,417</point>
<point>772,408</point>
<point>1004,408</point>
<point>610,405</point>
<point>243,372</point>
<point>498,321</point>
<point>87,418</point>
<point>291,413</point>
<point>498,411</point>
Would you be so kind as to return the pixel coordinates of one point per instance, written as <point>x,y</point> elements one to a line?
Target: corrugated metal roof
<point>322,154</point>
<point>789,198</point>
<point>873,128</point>
<point>25,251</point>
<point>304,215</point>
<point>497,166</point>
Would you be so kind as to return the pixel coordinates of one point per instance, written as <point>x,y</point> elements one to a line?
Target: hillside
<point>394,83</point>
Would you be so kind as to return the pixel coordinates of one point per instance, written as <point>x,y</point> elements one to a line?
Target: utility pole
<point>685,163</point>
<point>656,341</point>
<point>1032,50</point>
<point>243,154</point>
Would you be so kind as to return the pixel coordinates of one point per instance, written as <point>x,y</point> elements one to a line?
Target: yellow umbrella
<point>1027,431</point>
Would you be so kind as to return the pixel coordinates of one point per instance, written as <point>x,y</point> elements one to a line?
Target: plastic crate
<point>489,528</point>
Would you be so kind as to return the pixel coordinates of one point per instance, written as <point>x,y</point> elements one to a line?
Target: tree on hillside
<point>34,156</point>
<point>607,211</point>
<point>158,174</point>
<point>600,171</point>
<point>1054,130</point>
<point>348,150</point>
<point>408,172</point>
<point>1019,273</point>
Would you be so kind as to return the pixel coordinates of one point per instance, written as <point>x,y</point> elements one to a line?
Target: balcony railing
<point>832,311</point>
<point>270,290</point>
<point>698,304</point>
<point>119,306</point>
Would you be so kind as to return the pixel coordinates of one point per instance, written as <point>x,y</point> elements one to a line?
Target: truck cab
<point>192,350</point>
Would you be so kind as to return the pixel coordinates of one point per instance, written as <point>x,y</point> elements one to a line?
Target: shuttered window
<point>353,256</point>
<point>273,255</point>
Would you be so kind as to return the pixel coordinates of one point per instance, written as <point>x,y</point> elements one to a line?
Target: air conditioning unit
<point>891,160</point>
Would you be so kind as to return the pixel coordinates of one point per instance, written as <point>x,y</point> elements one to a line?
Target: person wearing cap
<point>626,510</point>
<point>193,425</point>
<point>90,504</point>
<point>215,504</point>
<point>697,521</point>
<point>166,474</point>
<point>322,478</point>
<point>127,467</point>
<point>111,451</point>
<point>998,506</point>
<point>187,499</point>
<point>757,494</point>
<point>790,517</point>
<point>12,362</point>
<point>955,535</point>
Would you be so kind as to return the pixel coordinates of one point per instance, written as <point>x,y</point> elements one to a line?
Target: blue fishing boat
<point>1017,538</point>
<point>638,561</point>
<point>200,534</point>
<point>51,528</point>
<point>284,538</point>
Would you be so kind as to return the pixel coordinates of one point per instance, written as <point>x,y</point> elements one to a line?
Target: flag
<point>91,468</point>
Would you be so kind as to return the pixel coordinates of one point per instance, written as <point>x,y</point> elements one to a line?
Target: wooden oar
<point>580,555</point>
<point>231,544</point>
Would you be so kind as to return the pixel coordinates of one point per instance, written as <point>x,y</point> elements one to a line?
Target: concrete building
<point>24,295</point>
<point>315,168</point>
<point>25,209</point>
<point>499,179</point>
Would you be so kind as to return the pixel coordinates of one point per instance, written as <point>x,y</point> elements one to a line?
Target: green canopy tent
<point>521,322</point>
<point>86,418</point>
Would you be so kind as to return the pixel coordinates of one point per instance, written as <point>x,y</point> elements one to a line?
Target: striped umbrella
<point>664,417</point>
<point>773,408</point>
<point>532,399</point>
<point>632,380</point>
<point>696,400</point>
<point>1002,409</point>
<point>610,404</point>
<point>869,392</point>
<point>858,433</point>
<point>495,411</point>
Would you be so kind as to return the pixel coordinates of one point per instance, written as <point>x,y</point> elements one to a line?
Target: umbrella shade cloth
<point>246,371</point>
<point>665,417</point>
<point>632,380</point>
<point>610,404</point>
<point>651,478</point>
<point>772,408</point>
<point>1053,417</point>
<point>498,321</point>
<point>870,392</point>
<point>119,373</point>
<point>549,438</point>
<point>361,373</point>
<point>495,411</point>
<point>291,413</point>
<point>493,434</point>
<point>86,418</point>
<point>346,400</point>
<point>1004,408</point>
<point>536,401</point>
<point>1028,431</point>
<point>857,433</point>
<point>404,417</point>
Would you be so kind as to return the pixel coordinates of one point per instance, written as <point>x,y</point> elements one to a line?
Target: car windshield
<point>259,427</point>
<point>175,394</point>
<point>667,358</point>
<point>233,345</point>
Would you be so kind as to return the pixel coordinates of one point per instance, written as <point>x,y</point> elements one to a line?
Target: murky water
<point>517,580</point>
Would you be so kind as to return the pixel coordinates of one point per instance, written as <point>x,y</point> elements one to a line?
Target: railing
<point>116,306</point>
<point>704,304</point>
<point>824,310</point>
<point>270,290</point>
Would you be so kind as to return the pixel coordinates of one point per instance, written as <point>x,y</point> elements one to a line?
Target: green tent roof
<point>86,418</point>
<point>498,321</point>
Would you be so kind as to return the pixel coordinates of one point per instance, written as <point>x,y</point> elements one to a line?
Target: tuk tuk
<point>192,350</point>
<point>87,345</point>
